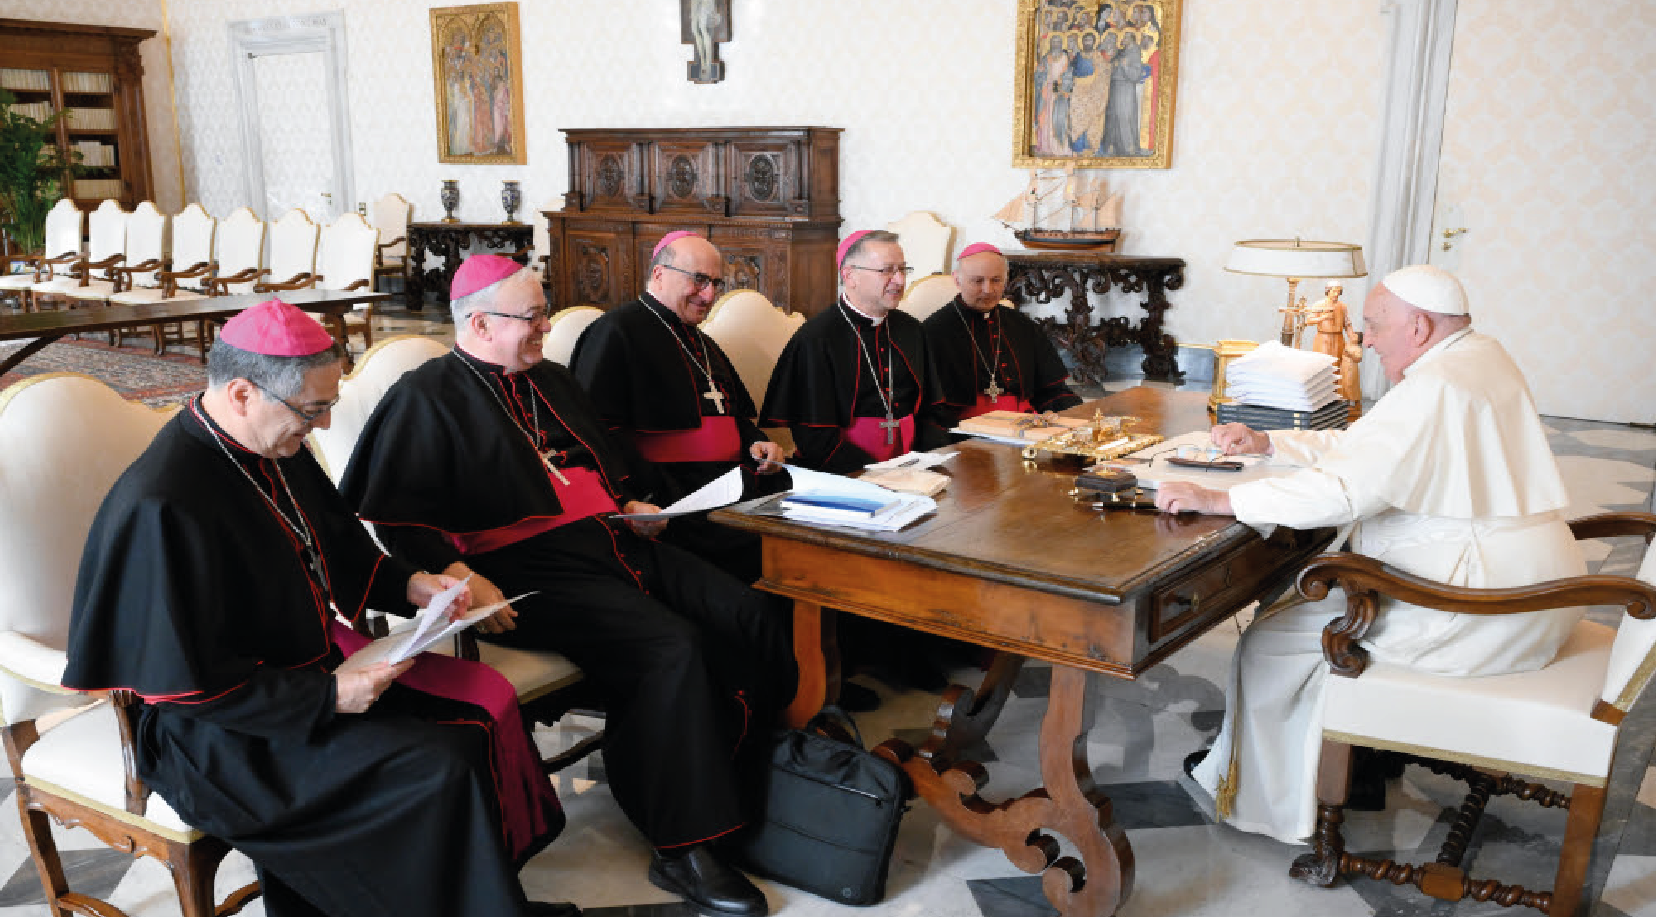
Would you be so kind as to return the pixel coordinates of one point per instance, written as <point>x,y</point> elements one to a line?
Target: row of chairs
<point>125,261</point>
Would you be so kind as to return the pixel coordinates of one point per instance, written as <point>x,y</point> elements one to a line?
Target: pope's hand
<point>1238,439</point>
<point>355,692</point>
<point>768,454</point>
<point>640,528</point>
<point>1183,497</point>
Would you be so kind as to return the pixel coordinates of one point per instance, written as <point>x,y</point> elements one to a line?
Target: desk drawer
<point>1218,589</point>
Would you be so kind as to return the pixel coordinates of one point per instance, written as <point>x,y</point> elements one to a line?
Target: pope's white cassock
<point>1448,477</point>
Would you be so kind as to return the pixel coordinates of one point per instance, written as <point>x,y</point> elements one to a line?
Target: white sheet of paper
<point>906,508</point>
<point>721,491</point>
<point>915,460</point>
<point>417,636</point>
<point>1255,467</point>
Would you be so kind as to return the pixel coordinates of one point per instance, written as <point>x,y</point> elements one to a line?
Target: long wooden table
<point>1011,561</point>
<point>49,326</point>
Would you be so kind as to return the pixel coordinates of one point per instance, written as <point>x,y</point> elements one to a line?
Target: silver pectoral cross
<point>716,396</point>
<point>994,391</point>
<point>891,425</point>
<point>547,461</point>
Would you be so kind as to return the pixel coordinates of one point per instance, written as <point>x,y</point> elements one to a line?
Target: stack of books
<point>1331,416</point>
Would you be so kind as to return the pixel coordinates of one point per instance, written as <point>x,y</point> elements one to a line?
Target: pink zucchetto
<point>276,329</point>
<point>977,248</point>
<point>480,271</point>
<point>846,245</point>
<point>669,239</point>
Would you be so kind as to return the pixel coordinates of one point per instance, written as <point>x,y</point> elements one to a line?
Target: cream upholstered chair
<point>192,263</point>
<point>145,253</point>
<point>239,251</point>
<point>546,682</point>
<point>69,437</point>
<point>293,241</point>
<point>929,294</point>
<point>925,240</point>
<point>61,248</point>
<point>345,261</point>
<point>567,326</point>
<point>106,247</point>
<point>1559,722</point>
<point>752,332</point>
<point>391,217</point>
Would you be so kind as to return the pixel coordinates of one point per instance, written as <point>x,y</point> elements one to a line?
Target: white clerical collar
<point>1433,352</point>
<point>866,315</point>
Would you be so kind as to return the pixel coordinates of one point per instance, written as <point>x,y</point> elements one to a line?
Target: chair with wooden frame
<point>185,278</point>
<point>391,218</point>
<point>753,333</point>
<point>345,261</point>
<point>145,254</point>
<point>292,253</point>
<point>1559,722</point>
<point>925,240</point>
<point>61,248</point>
<point>106,248</point>
<point>928,294</point>
<point>72,754</point>
<point>239,250</point>
<point>566,328</point>
<point>549,686</point>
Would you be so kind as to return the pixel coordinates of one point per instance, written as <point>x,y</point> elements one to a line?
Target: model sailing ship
<point>1089,215</point>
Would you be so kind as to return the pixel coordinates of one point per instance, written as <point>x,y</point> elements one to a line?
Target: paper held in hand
<point>721,491</point>
<point>429,626</point>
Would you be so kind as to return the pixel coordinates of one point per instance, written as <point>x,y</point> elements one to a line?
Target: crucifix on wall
<point>704,24</point>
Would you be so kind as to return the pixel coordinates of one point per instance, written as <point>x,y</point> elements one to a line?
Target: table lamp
<point>1294,260</point>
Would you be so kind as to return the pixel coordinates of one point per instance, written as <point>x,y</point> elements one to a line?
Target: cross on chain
<point>714,395</point>
<point>994,391</point>
<point>891,425</point>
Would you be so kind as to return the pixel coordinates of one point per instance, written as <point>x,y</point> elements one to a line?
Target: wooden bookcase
<point>94,71</point>
<point>769,197</point>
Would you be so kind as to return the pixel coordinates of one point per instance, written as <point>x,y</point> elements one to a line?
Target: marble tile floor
<point>1186,865</point>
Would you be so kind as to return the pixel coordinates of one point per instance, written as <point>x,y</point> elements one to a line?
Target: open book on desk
<point>831,499</point>
<point>428,627</point>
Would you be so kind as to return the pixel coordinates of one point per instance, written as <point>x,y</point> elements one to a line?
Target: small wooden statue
<point>1336,338</point>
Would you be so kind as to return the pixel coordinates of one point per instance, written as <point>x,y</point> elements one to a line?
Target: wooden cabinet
<point>95,72</point>
<point>769,197</point>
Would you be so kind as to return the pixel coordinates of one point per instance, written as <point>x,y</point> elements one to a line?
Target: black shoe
<point>552,909</point>
<point>1192,760</point>
<point>854,698</point>
<point>715,889</point>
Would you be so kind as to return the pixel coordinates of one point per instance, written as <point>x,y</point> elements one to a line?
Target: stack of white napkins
<point>1281,377</point>
<point>830,499</point>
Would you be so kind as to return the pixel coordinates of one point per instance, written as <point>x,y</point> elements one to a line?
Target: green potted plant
<point>32,171</point>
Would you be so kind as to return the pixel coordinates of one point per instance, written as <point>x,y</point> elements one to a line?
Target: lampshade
<point>1296,258</point>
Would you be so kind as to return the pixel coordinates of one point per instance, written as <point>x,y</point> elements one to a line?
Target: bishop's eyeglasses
<point>309,417</point>
<point>888,272</point>
<point>702,281</point>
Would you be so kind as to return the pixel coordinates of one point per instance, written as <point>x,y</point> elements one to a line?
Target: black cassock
<point>688,661</point>
<point>644,370</point>
<point>193,593</point>
<point>963,342</point>
<point>835,369</point>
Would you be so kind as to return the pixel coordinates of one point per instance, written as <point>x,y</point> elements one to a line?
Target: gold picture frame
<point>478,83</point>
<point>1064,80</point>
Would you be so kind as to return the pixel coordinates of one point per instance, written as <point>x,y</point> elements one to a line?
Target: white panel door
<point>296,145</point>
<point>1546,188</point>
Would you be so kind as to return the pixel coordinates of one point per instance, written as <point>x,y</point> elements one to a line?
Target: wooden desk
<point>1010,561</point>
<point>46,327</point>
<point>446,241</point>
<point>1041,276</point>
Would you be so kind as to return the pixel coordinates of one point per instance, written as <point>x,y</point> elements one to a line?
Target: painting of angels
<point>478,84</point>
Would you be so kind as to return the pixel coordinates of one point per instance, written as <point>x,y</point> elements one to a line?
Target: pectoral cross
<point>716,396</point>
<point>547,461</point>
<point>891,425</point>
<point>994,391</point>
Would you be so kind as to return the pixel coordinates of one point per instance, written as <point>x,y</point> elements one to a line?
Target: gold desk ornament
<point>1100,439</point>
<point>1224,353</point>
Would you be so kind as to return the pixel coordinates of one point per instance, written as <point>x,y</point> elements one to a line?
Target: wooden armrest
<point>150,265</point>
<point>355,285</point>
<point>397,241</point>
<point>1614,525</point>
<point>300,281</point>
<point>1365,579</point>
<point>220,286</point>
<point>127,707</point>
<point>466,645</point>
<point>194,270</point>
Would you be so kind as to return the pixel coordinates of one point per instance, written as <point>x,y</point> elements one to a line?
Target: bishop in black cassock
<point>492,461</point>
<point>855,384</point>
<point>657,380</point>
<point>990,358</point>
<point>205,587</point>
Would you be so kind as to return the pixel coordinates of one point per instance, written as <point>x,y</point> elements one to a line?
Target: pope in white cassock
<point>1448,477</point>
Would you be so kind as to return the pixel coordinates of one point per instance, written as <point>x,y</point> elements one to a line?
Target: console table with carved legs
<point>1042,276</point>
<point>449,242</point>
<point>1010,561</point>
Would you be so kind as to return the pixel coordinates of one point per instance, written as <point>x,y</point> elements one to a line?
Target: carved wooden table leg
<point>965,716</point>
<point>817,653</point>
<point>1068,804</point>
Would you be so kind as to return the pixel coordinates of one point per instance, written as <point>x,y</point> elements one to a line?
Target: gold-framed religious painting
<point>1095,83</point>
<point>478,81</point>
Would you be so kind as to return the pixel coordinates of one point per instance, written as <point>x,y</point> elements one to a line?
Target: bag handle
<point>832,721</point>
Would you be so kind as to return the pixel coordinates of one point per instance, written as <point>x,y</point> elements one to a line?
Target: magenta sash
<point>584,496</point>
<point>529,805</point>
<point>716,440</point>
<point>986,404</point>
<point>866,433</point>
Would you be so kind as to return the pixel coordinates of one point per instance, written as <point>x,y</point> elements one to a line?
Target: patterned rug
<point>134,370</point>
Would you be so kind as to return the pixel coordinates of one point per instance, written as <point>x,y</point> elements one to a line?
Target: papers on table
<point>921,460</point>
<point>830,499</point>
<point>721,491</point>
<point>908,474</point>
<point>428,627</point>
<point>1197,446</point>
<point>1282,377</point>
